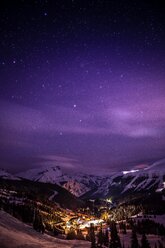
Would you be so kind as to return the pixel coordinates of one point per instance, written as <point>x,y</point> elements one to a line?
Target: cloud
<point>48,160</point>
<point>141,166</point>
<point>20,118</point>
<point>62,161</point>
<point>142,119</point>
<point>51,157</point>
<point>145,119</point>
<point>47,120</point>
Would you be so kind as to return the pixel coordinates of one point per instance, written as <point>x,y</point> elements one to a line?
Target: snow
<point>126,238</point>
<point>130,185</point>
<point>79,183</point>
<point>47,174</point>
<point>53,195</point>
<point>157,167</point>
<point>76,188</point>
<point>14,234</point>
<point>156,218</point>
<point>153,175</point>
<point>160,219</point>
<point>6,175</point>
<point>104,187</point>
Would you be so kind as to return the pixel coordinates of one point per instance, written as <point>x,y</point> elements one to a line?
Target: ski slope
<point>14,234</point>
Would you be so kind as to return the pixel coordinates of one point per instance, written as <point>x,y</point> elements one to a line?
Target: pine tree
<point>134,240</point>
<point>124,228</point>
<point>160,244</point>
<point>37,222</point>
<point>80,235</point>
<point>100,237</point>
<point>144,242</point>
<point>92,236</point>
<point>71,234</point>
<point>155,245</point>
<point>87,237</point>
<point>106,238</point>
<point>115,240</point>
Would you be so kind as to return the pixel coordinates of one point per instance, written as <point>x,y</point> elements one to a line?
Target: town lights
<point>109,200</point>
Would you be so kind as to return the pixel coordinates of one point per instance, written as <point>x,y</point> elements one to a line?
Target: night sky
<point>82,84</point>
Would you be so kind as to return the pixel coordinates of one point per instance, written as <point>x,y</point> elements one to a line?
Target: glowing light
<point>130,171</point>
<point>109,200</point>
<point>88,223</point>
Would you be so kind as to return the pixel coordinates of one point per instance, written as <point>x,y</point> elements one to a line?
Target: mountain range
<point>150,179</point>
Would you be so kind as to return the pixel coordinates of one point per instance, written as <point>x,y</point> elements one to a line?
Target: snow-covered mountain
<point>77,184</point>
<point>151,178</point>
<point>6,175</point>
<point>75,187</point>
<point>50,174</point>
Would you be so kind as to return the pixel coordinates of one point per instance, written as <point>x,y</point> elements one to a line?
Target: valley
<point>72,207</point>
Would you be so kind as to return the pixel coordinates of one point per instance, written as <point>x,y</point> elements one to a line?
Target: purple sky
<point>82,84</point>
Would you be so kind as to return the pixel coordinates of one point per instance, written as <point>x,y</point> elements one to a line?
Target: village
<point>70,224</point>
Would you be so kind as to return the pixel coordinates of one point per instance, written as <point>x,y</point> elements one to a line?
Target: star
<point>74,106</point>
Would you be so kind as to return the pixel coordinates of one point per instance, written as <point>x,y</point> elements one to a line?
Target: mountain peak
<point>6,175</point>
<point>48,173</point>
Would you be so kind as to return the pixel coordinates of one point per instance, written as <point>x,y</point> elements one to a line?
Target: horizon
<point>153,167</point>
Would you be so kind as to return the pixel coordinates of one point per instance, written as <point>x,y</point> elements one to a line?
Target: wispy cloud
<point>48,160</point>
<point>62,161</point>
<point>145,119</point>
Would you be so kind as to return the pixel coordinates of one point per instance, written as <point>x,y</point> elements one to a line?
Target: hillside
<point>150,179</point>
<point>42,192</point>
<point>14,234</point>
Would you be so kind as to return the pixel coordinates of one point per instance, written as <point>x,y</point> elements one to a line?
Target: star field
<point>82,80</point>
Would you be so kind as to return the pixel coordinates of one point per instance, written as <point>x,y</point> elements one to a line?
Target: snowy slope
<point>6,175</point>
<point>77,184</point>
<point>150,178</point>
<point>75,187</point>
<point>14,234</point>
<point>44,174</point>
